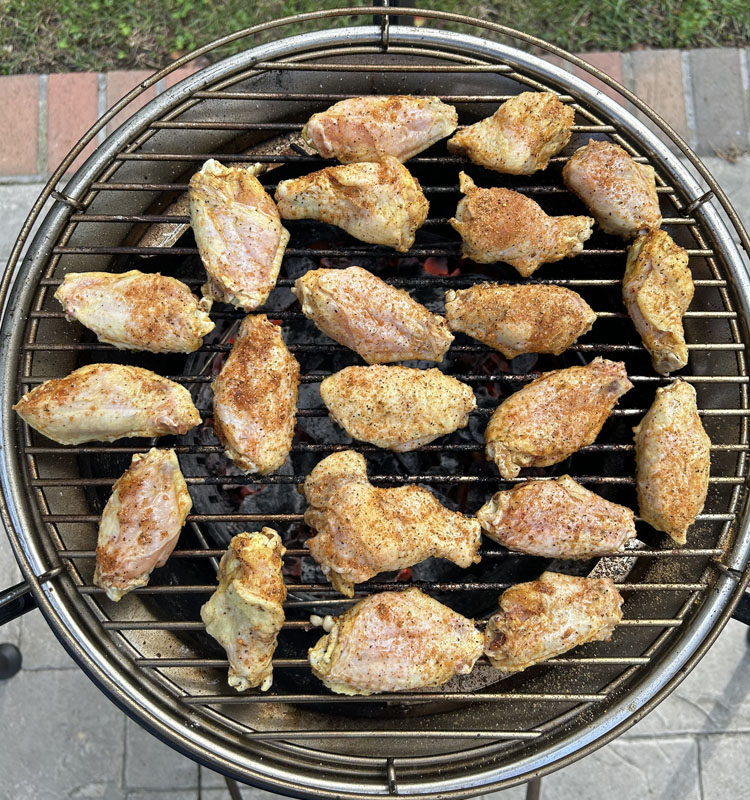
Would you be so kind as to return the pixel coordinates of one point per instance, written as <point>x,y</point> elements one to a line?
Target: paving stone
<point>72,108</point>
<point>119,83</point>
<point>720,101</point>
<point>151,764</point>
<point>734,179</point>
<point>15,203</point>
<point>10,575</point>
<point>185,794</point>
<point>40,647</point>
<point>248,793</point>
<point>210,779</point>
<point>725,773</point>
<point>515,793</point>
<point>19,99</point>
<point>61,738</point>
<point>632,770</point>
<point>657,80</point>
<point>611,63</point>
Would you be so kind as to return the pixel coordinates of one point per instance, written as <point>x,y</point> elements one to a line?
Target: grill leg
<point>534,789</point>
<point>10,661</point>
<point>234,788</point>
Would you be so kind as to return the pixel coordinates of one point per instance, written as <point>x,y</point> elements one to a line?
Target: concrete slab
<point>41,649</point>
<point>150,764</point>
<point>15,202</point>
<point>10,575</point>
<point>189,794</point>
<point>725,773</point>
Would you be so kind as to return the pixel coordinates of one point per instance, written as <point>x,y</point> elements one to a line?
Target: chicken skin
<point>361,530</point>
<point>542,619</point>
<point>673,461</point>
<point>255,398</point>
<point>376,320</point>
<point>554,416</point>
<point>520,137</point>
<point>397,408</point>
<point>136,311</point>
<point>104,402</point>
<point>246,612</point>
<point>239,234</point>
<point>373,127</point>
<point>519,318</point>
<point>657,290</point>
<point>380,203</point>
<point>556,519</point>
<point>394,641</point>
<point>618,191</point>
<point>502,225</point>
<point>141,522</point>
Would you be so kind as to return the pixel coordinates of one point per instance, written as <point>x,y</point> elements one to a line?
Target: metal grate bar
<point>405,697</point>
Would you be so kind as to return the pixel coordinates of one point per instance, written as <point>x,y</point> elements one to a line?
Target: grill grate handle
<point>16,601</point>
<point>742,609</point>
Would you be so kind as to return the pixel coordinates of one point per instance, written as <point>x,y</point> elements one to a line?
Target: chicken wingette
<point>397,408</point>
<point>380,203</point>
<point>246,612</point>
<point>673,461</point>
<point>141,522</point>
<point>255,397</point>
<point>544,618</point>
<point>519,318</point>
<point>378,321</point>
<point>619,192</point>
<point>520,137</point>
<point>136,311</point>
<point>502,225</point>
<point>555,415</point>
<point>239,234</point>
<point>556,519</point>
<point>361,530</point>
<point>373,127</point>
<point>394,641</point>
<point>104,402</point>
<point>657,290</point>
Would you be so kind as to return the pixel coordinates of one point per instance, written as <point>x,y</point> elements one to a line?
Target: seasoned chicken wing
<point>554,415</point>
<point>519,318</point>
<point>239,234</point>
<point>501,225</point>
<point>556,519</point>
<point>141,522</point>
<point>361,530</point>
<point>657,290</point>
<point>376,320</point>
<point>136,311</point>
<point>618,191</point>
<point>370,128</point>
<point>246,612</point>
<point>380,203</point>
<point>542,619</point>
<point>393,641</point>
<point>520,137</point>
<point>398,408</point>
<point>255,397</point>
<point>673,461</point>
<point>104,402</point>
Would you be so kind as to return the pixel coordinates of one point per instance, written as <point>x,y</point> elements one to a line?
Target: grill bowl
<point>149,652</point>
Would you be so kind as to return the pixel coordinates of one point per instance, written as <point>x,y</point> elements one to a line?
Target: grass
<point>62,35</point>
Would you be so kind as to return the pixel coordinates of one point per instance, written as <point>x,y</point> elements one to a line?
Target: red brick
<point>558,61</point>
<point>611,63</point>
<point>657,80</point>
<point>119,83</point>
<point>19,99</point>
<point>72,108</point>
<point>178,75</point>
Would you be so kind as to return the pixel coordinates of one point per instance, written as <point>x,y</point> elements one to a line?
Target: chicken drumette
<point>361,530</point>
<point>501,225</point>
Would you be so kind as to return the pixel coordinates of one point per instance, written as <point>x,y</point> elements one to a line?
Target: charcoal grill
<point>149,652</point>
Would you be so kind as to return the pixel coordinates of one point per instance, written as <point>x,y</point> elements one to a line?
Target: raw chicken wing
<point>556,519</point>
<point>370,128</point>
<point>239,234</point>
<point>380,203</point>
<point>657,290</point>
<point>136,311</point>
<point>361,530</point>
<point>618,191</point>
<point>520,137</point>
<point>255,398</point>
<point>141,522</point>
<point>673,461</point>
<point>378,321</point>
<point>554,415</point>
<point>104,402</point>
<point>519,318</point>
<point>501,225</point>
<point>246,612</point>
<point>542,619</point>
<point>394,641</point>
<point>398,408</point>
